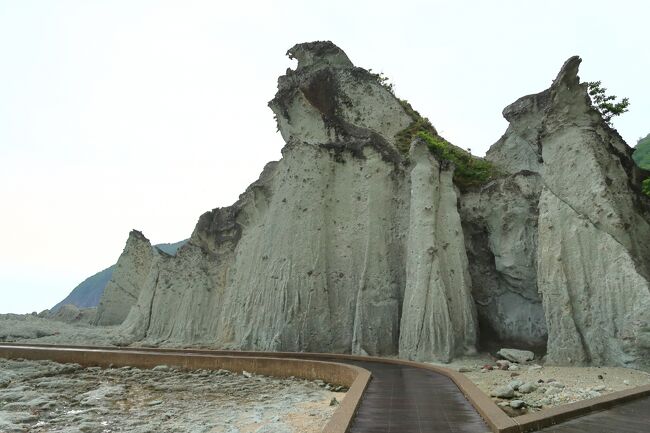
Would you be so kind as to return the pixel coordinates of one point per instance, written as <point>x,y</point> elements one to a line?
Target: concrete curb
<point>355,378</point>
<point>496,419</point>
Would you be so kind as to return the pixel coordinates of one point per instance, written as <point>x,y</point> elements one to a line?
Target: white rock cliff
<point>351,244</point>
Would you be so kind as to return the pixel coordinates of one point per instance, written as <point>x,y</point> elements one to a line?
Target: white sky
<point>144,114</point>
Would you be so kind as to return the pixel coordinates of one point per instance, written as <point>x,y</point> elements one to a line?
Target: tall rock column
<point>438,315</point>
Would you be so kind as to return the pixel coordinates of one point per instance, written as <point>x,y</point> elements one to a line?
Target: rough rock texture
<point>43,396</point>
<point>126,281</point>
<point>348,245</point>
<point>89,293</point>
<point>69,313</point>
<point>593,257</point>
<point>500,227</point>
<point>336,247</point>
<point>438,306</point>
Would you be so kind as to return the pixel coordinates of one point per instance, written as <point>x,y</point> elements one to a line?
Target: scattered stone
<point>503,392</point>
<point>527,388</point>
<point>516,355</point>
<point>515,384</point>
<point>161,368</point>
<point>246,374</point>
<point>552,391</point>
<point>334,402</point>
<point>513,367</point>
<point>517,404</point>
<point>464,370</point>
<point>534,367</point>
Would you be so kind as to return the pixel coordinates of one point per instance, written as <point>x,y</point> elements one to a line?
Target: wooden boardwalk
<point>402,399</point>
<point>631,417</point>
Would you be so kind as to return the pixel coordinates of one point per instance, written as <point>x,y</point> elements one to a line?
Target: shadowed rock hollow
<point>348,244</point>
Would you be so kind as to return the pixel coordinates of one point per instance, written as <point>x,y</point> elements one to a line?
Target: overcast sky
<point>117,115</point>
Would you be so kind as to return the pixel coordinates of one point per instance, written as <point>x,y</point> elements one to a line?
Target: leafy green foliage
<point>641,153</point>
<point>404,138</point>
<point>469,171</point>
<point>606,104</point>
<point>641,156</point>
<point>645,187</point>
<point>383,80</point>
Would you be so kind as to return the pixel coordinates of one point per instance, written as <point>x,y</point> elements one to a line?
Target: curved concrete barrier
<point>355,378</point>
<point>496,419</point>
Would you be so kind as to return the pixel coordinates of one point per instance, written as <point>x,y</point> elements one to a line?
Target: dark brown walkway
<point>632,417</point>
<point>401,399</point>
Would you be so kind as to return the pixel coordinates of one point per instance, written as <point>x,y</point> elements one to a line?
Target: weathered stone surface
<point>438,314</point>
<point>503,392</point>
<point>347,245</point>
<point>500,227</point>
<point>592,252</point>
<point>72,314</point>
<point>516,355</point>
<point>126,281</point>
<point>335,247</point>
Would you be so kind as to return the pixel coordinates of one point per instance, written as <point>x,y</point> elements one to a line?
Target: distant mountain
<point>89,292</point>
<point>641,153</point>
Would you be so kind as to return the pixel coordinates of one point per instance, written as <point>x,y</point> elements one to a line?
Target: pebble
<point>161,368</point>
<point>503,392</point>
<point>517,404</point>
<point>527,388</point>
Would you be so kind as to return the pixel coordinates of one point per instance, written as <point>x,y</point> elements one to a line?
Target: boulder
<point>516,355</point>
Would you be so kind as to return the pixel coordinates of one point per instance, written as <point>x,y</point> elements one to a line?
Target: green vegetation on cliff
<point>641,156</point>
<point>470,170</point>
<point>641,153</point>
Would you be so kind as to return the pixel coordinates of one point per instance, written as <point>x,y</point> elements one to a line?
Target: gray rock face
<point>342,245</point>
<point>126,281</point>
<point>348,245</point>
<point>500,226</point>
<point>515,355</point>
<point>71,314</point>
<point>592,250</point>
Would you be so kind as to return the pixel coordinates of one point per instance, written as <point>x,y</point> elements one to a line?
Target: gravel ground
<point>43,396</point>
<point>545,385</point>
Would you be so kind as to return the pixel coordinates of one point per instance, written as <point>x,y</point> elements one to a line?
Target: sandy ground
<point>43,396</point>
<point>549,385</point>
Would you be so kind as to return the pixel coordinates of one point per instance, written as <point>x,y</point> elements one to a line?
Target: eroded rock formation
<point>124,287</point>
<point>573,235</point>
<point>349,244</point>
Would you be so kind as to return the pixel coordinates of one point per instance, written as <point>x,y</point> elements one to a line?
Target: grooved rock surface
<point>335,247</point>
<point>348,245</point>
<point>593,253</point>
<point>123,289</point>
